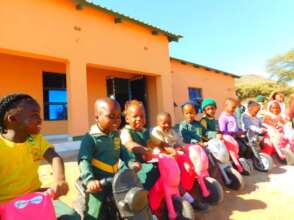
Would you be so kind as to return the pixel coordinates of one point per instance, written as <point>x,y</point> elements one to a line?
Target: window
<point>195,94</point>
<point>55,96</point>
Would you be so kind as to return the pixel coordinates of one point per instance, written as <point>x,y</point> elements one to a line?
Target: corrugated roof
<point>119,17</point>
<point>205,67</point>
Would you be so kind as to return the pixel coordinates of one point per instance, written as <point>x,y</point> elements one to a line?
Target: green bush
<point>244,91</point>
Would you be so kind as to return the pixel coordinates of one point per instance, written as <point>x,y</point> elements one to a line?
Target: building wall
<point>55,30</point>
<point>214,85</point>
<point>21,74</point>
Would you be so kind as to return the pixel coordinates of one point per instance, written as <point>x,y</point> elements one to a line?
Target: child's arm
<point>131,145</point>
<point>86,169</point>
<point>131,163</point>
<point>61,186</point>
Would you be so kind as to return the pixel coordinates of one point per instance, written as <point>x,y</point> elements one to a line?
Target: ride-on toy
<point>128,199</point>
<point>193,163</point>
<point>166,193</point>
<point>241,164</point>
<point>31,206</point>
<point>261,161</point>
<point>221,165</point>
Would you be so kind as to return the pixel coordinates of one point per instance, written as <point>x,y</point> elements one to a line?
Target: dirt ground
<point>265,196</point>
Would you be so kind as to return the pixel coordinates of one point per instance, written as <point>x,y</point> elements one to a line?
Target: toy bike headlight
<point>136,199</point>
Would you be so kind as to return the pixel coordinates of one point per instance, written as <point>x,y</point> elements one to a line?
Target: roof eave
<point>171,36</point>
<point>205,67</point>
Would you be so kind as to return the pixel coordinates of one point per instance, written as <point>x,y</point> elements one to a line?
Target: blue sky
<point>237,36</point>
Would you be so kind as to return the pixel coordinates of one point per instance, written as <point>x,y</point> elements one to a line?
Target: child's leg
<point>64,212</point>
<point>95,209</point>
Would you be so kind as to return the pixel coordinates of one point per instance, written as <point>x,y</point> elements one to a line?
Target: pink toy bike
<point>241,164</point>
<point>166,193</point>
<point>193,163</point>
<point>31,206</point>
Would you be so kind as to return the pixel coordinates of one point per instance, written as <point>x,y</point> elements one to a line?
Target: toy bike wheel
<point>246,166</point>
<point>184,209</point>
<point>216,192</point>
<point>265,163</point>
<point>237,181</point>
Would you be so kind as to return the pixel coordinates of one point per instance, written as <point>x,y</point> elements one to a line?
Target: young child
<point>22,147</point>
<point>251,122</point>
<point>99,155</point>
<point>208,120</point>
<point>261,100</point>
<point>164,135</point>
<point>191,129</point>
<point>280,98</point>
<point>227,120</point>
<point>228,124</point>
<point>137,140</point>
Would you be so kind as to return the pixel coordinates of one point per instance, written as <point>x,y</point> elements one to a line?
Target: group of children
<point>104,149</point>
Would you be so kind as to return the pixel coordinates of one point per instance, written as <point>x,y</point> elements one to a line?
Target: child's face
<point>136,117</point>
<point>210,111</point>
<point>254,110</point>
<point>231,107</point>
<point>109,117</point>
<point>189,112</point>
<point>28,120</point>
<point>279,97</point>
<point>164,122</point>
<point>275,108</point>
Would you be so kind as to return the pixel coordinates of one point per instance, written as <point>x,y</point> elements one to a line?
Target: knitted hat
<point>207,102</point>
<point>260,98</point>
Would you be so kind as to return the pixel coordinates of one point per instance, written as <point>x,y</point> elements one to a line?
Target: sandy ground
<point>265,196</point>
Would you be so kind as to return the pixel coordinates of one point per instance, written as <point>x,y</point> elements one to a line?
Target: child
<point>208,120</point>
<point>190,129</point>
<point>228,123</point>
<point>22,147</point>
<point>99,155</point>
<point>137,140</point>
<point>251,122</point>
<point>164,135</point>
<point>261,100</point>
<point>279,97</point>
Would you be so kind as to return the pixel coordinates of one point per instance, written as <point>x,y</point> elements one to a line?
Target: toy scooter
<point>128,199</point>
<point>242,165</point>
<point>220,164</point>
<point>193,163</point>
<point>31,206</point>
<point>261,161</point>
<point>280,142</point>
<point>166,191</point>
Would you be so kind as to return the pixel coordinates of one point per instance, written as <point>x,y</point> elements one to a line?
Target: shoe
<point>200,206</point>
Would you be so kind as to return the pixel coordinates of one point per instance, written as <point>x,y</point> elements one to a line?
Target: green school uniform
<point>210,127</point>
<point>98,158</point>
<point>191,132</point>
<point>149,173</point>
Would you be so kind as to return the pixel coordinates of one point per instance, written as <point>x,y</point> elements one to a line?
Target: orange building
<point>67,53</point>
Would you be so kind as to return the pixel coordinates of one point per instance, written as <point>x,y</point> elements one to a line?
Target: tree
<point>281,67</point>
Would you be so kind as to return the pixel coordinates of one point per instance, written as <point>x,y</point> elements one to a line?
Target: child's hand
<point>262,130</point>
<point>61,188</point>
<point>94,186</point>
<point>135,166</point>
<point>219,136</point>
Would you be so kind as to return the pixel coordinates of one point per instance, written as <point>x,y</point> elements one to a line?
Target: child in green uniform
<point>191,129</point>
<point>137,140</point>
<point>208,121</point>
<point>99,155</point>
<point>22,147</point>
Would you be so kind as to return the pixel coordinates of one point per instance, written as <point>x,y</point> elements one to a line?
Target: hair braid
<point>9,102</point>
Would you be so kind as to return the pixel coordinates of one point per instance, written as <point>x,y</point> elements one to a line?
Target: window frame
<point>196,88</point>
<point>46,103</point>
